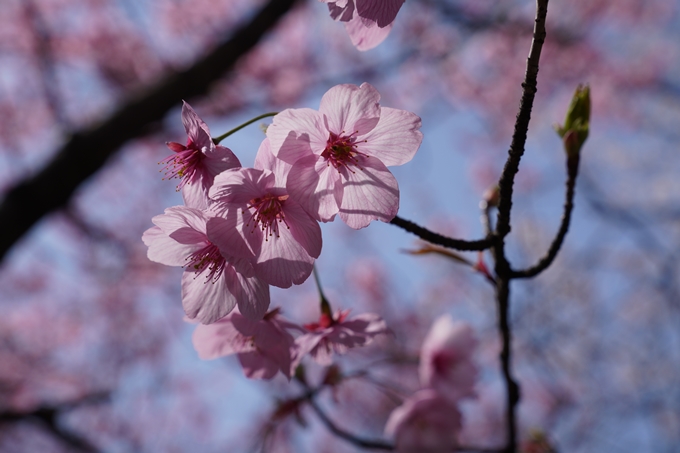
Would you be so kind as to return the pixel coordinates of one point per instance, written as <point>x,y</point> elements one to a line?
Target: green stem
<point>325,306</point>
<point>217,140</point>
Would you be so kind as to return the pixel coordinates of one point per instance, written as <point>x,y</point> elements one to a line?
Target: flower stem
<point>325,306</point>
<point>217,140</point>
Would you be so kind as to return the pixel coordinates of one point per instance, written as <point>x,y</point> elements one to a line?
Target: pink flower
<point>197,163</point>
<point>446,363</point>
<point>338,335</point>
<point>213,282</point>
<point>263,347</point>
<point>368,22</point>
<point>339,154</point>
<point>425,423</point>
<point>284,239</point>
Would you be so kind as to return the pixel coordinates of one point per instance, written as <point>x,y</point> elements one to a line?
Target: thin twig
<point>349,437</point>
<point>438,239</point>
<point>543,263</point>
<point>505,185</point>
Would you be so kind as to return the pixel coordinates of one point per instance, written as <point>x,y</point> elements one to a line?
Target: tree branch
<point>438,239</point>
<point>543,263</point>
<point>48,417</point>
<point>519,136</point>
<point>505,185</point>
<point>88,150</point>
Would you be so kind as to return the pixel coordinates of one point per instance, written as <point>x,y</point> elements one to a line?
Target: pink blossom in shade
<point>446,362</point>
<point>368,22</point>
<point>213,282</point>
<point>338,334</point>
<point>339,154</point>
<point>425,423</point>
<point>284,239</point>
<point>263,347</point>
<point>197,163</point>
<point>365,34</point>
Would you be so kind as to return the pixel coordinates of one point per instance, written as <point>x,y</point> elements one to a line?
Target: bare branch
<point>438,239</point>
<point>546,261</point>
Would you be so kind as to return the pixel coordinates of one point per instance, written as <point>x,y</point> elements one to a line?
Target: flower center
<point>208,257</point>
<point>267,212</point>
<point>341,151</point>
<point>183,164</point>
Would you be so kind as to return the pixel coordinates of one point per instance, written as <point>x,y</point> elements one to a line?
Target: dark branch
<point>438,239</point>
<point>543,263</point>
<point>505,185</point>
<point>519,136</point>
<point>349,437</point>
<point>88,150</point>
<point>48,417</point>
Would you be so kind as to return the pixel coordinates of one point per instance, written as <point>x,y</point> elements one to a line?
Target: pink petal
<point>383,12</point>
<point>226,233</point>
<point>219,339</point>
<point>196,129</point>
<point>350,109</point>
<point>257,366</point>
<point>240,185</point>
<point>178,217</point>
<point>252,295</point>
<point>342,10</point>
<point>316,186</point>
<point>365,34</point>
<point>395,139</point>
<point>295,133</point>
<point>206,300</point>
<point>304,229</point>
<point>219,159</point>
<point>265,160</point>
<point>370,192</point>
<point>165,250</point>
<point>195,192</point>
<point>283,261</point>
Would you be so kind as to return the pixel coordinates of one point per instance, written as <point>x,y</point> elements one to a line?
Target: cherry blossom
<point>425,423</point>
<point>284,239</point>
<point>214,282</point>
<point>368,22</point>
<point>339,154</point>
<point>446,363</point>
<point>263,347</point>
<point>338,334</point>
<point>197,163</point>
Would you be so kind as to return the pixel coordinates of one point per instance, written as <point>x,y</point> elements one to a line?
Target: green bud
<point>574,132</point>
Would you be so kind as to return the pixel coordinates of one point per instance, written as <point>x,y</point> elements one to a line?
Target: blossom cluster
<point>430,419</point>
<point>243,229</point>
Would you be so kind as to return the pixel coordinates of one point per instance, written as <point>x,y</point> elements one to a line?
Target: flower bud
<point>574,132</point>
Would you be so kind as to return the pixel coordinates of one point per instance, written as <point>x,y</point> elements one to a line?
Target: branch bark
<point>88,150</point>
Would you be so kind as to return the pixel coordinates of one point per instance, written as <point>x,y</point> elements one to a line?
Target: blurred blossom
<point>339,334</point>
<point>425,423</point>
<point>446,363</point>
<point>368,22</point>
<point>263,347</point>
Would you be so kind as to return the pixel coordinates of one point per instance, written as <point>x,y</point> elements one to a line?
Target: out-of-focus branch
<point>88,150</point>
<point>505,187</point>
<point>438,239</point>
<point>48,417</point>
<point>543,263</point>
<point>349,437</point>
